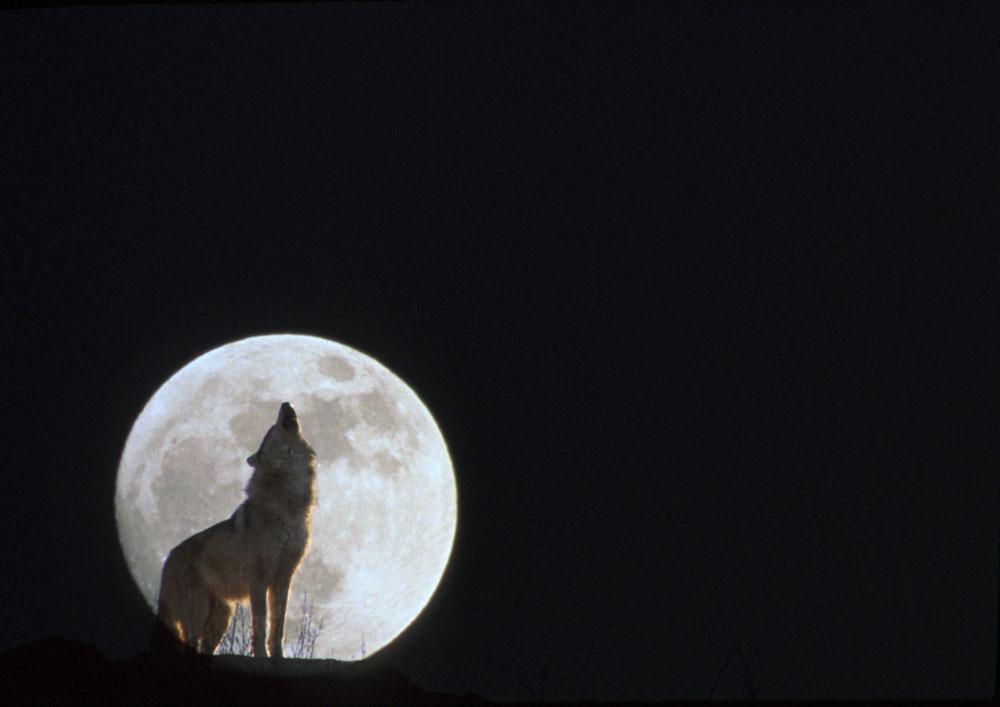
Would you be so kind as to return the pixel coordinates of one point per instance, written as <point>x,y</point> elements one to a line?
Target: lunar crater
<point>336,367</point>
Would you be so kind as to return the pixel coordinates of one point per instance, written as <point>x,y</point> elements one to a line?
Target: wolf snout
<point>287,416</point>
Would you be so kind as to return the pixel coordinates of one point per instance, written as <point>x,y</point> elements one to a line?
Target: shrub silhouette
<point>305,639</point>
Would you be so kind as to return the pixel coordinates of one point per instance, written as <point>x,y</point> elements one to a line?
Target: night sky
<point>700,297</point>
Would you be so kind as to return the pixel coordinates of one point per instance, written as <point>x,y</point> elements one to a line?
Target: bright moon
<point>386,504</point>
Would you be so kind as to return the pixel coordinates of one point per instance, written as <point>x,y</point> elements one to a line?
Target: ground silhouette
<point>57,670</point>
<point>60,671</point>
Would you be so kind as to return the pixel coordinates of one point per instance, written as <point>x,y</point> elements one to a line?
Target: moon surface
<point>386,502</point>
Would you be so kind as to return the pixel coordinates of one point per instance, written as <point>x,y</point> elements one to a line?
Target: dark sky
<point>701,298</point>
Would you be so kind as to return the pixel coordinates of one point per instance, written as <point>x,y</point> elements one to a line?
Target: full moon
<point>386,503</point>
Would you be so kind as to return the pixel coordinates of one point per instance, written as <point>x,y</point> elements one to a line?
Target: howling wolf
<point>253,554</point>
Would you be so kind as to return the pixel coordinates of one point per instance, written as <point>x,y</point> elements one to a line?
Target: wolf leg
<point>193,616</point>
<point>219,614</point>
<point>277,602</point>
<point>258,617</point>
<point>164,636</point>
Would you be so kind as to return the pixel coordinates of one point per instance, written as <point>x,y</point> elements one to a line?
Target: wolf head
<point>283,443</point>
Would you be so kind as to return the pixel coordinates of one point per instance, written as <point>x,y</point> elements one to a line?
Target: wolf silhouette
<point>252,555</point>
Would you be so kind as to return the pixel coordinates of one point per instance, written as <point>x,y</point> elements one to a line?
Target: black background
<point>701,298</point>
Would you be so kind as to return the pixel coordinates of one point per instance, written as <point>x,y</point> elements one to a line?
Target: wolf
<point>251,555</point>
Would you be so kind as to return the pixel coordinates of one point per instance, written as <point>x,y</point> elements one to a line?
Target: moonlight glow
<point>385,515</point>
